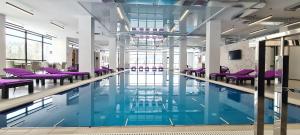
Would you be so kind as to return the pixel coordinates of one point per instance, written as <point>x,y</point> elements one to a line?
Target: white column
<point>213,42</point>
<point>164,58</point>
<point>183,54</point>
<point>86,44</point>
<point>126,59</point>
<point>2,44</point>
<point>122,57</point>
<point>171,54</point>
<point>113,53</point>
<point>190,59</point>
<point>183,44</point>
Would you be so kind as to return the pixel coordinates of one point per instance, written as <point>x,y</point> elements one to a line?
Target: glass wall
<point>23,46</point>
<point>145,58</point>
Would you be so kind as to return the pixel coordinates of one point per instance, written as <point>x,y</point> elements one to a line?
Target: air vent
<point>293,7</point>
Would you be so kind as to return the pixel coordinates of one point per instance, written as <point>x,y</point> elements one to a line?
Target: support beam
<point>86,44</point>
<point>213,42</point>
<point>2,45</point>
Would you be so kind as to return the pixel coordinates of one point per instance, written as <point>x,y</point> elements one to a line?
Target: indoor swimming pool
<point>142,99</point>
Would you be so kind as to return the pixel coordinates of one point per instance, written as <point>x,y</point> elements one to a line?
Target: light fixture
<point>184,14</point>
<point>254,32</point>
<point>173,28</point>
<point>291,24</point>
<point>57,25</point>
<point>21,9</point>
<point>120,13</point>
<point>126,27</point>
<point>228,30</point>
<point>261,20</point>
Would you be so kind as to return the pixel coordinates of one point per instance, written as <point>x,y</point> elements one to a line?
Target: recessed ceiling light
<point>261,20</point>
<point>21,9</point>
<point>254,32</point>
<point>184,14</point>
<point>228,31</point>
<point>120,13</point>
<point>291,24</point>
<point>57,25</point>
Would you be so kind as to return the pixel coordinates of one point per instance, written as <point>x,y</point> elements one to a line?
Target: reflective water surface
<point>140,99</point>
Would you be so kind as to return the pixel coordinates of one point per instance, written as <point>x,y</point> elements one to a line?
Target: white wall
<point>247,60</point>
<point>294,70</point>
<point>59,50</point>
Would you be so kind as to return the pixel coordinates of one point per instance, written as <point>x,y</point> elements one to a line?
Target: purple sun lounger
<point>101,71</point>
<point>108,69</point>
<point>269,75</point>
<point>239,79</point>
<point>19,73</point>
<point>200,72</point>
<point>223,72</point>
<point>76,74</point>
<point>5,84</point>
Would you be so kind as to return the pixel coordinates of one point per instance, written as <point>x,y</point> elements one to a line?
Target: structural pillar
<point>190,59</point>
<point>183,44</point>
<point>213,42</point>
<point>113,53</point>
<point>86,44</point>
<point>164,58</point>
<point>183,54</point>
<point>171,54</point>
<point>2,44</point>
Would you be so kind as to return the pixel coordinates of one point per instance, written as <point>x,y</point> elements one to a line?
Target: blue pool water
<point>140,99</point>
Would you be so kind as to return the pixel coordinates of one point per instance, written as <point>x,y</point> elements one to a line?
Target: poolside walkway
<point>269,90</point>
<point>148,130</point>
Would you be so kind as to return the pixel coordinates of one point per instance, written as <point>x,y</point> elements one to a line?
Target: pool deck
<point>11,103</point>
<point>147,130</point>
<point>269,90</point>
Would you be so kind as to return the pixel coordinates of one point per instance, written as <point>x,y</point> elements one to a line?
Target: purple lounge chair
<point>160,68</point>
<point>269,75</point>
<point>19,73</point>
<point>5,84</point>
<point>133,68</point>
<point>120,69</point>
<point>141,68</point>
<point>100,71</point>
<point>154,68</point>
<point>146,68</point>
<point>73,69</point>
<point>108,69</point>
<point>76,74</point>
<point>200,72</point>
<point>239,79</point>
<point>223,72</point>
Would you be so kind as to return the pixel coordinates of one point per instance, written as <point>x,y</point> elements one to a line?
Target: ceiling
<point>236,13</point>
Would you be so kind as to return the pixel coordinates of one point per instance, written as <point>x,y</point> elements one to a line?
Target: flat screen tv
<point>235,55</point>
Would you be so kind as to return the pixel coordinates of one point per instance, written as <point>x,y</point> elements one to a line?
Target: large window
<point>25,46</point>
<point>144,58</point>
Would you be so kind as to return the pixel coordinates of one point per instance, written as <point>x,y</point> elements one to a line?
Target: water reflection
<point>141,98</point>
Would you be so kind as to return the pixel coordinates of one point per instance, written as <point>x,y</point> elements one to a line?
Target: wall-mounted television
<point>235,55</point>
